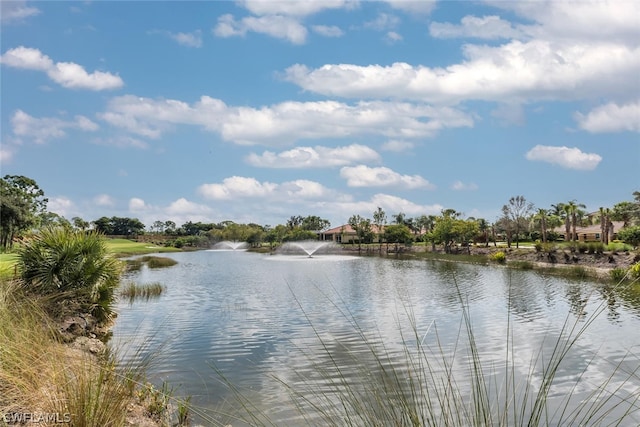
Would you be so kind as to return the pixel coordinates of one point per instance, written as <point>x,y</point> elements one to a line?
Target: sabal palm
<point>71,265</point>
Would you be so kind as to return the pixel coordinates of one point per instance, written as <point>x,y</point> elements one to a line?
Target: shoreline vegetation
<point>80,371</point>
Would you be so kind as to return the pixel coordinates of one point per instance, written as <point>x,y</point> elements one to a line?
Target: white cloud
<point>6,155</point>
<point>183,206</point>
<point>16,11</point>
<point>569,158</point>
<point>293,8</point>
<point>278,26</point>
<point>364,176</point>
<point>611,118</point>
<point>314,157</point>
<point>137,205</point>
<point>397,146</point>
<point>389,203</point>
<point>66,74</point>
<point>461,186</point>
<point>42,129</point>
<point>193,39</point>
<point>240,188</point>
<point>283,123</point>
<point>327,31</point>
<point>419,7</point>
<point>383,21</point>
<point>393,37</point>
<point>487,27</point>
<point>121,141</point>
<point>104,200</point>
<point>61,205</point>
<point>516,71</point>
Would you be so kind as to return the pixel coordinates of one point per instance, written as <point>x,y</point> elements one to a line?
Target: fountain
<point>230,246</point>
<point>309,247</point>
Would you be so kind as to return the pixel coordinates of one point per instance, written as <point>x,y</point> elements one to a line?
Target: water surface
<point>260,320</point>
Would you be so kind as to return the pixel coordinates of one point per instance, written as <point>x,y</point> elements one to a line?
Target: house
<point>346,234</point>
<point>591,233</point>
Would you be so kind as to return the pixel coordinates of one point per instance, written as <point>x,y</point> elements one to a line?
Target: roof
<point>346,228</point>
<point>617,225</point>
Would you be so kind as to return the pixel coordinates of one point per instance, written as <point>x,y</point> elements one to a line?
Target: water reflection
<point>273,328</point>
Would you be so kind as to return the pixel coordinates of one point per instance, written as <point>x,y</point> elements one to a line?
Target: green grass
<point>7,264</point>
<point>124,247</point>
<point>146,291</point>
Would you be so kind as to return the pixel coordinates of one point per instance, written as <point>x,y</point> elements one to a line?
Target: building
<point>591,233</point>
<point>346,234</point>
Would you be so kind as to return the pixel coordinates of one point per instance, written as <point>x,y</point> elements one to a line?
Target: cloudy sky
<point>254,111</point>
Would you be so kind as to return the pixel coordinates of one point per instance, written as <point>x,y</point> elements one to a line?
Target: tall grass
<point>432,383</point>
<point>133,291</point>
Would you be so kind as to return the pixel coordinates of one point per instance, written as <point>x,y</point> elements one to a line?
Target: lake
<point>273,326</point>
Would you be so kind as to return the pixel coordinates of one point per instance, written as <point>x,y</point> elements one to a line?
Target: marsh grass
<point>39,374</point>
<point>432,383</point>
<point>134,291</point>
<point>157,261</point>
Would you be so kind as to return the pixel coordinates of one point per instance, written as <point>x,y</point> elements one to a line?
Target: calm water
<point>260,319</point>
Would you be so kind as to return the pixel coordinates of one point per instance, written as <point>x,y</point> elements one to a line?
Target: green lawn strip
<point>124,247</point>
<point>7,263</point>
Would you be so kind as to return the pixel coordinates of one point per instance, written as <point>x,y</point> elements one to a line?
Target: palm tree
<point>542,215</point>
<point>573,214</point>
<point>71,268</point>
<point>483,226</point>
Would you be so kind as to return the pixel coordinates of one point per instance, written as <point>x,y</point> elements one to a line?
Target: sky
<point>256,111</point>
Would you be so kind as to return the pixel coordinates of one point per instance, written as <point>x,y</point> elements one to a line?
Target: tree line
<point>24,208</point>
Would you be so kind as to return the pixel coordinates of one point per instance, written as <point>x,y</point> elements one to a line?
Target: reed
<point>423,385</point>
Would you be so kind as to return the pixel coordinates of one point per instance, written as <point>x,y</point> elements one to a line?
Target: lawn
<point>118,247</point>
<point>125,247</point>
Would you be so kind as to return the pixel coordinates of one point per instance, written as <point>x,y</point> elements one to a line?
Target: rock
<point>90,345</point>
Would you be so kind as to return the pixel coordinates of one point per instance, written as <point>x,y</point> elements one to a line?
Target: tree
<point>483,228</point>
<point>362,227</point>
<point>396,234</point>
<point>542,217</point>
<point>70,267</point>
<point>380,220</point>
<point>630,235</point>
<point>443,231</point>
<point>625,212</point>
<point>21,204</point>
<point>426,223</point>
<point>573,214</point>
<point>517,211</point>
<point>158,227</point>
<point>314,223</point>
<point>80,223</point>
<point>465,231</point>
<point>294,221</point>
<point>52,219</point>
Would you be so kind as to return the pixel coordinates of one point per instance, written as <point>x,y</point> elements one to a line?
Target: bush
<point>538,246</point>
<point>634,270</point>
<point>583,247</point>
<point>73,269</point>
<point>499,257</point>
<point>618,274</point>
<point>158,261</point>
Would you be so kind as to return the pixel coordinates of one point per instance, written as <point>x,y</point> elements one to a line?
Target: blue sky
<point>254,111</point>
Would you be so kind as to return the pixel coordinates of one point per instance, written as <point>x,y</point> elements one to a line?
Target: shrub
<point>73,269</point>
<point>634,270</point>
<point>499,257</point>
<point>618,274</point>
<point>538,246</point>
<point>583,247</point>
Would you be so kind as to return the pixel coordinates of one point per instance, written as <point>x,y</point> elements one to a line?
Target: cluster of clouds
<point>554,51</point>
<point>67,74</point>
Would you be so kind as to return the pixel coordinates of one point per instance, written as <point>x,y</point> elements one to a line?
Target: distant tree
<point>396,234</point>
<point>542,217</point>
<point>120,226</point>
<point>625,212</point>
<point>52,219</point>
<point>630,235</point>
<point>425,224</point>
<point>314,223</point>
<point>483,228</point>
<point>362,227</point>
<point>399,218</point>
<point>380,220</point>
<point>80,223</point>
<point>22,201</point>
<point>294,221</point>
<point>517,211</point>
<point>158,227</point>
<point>170,227</point>
<point>574,213</point>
